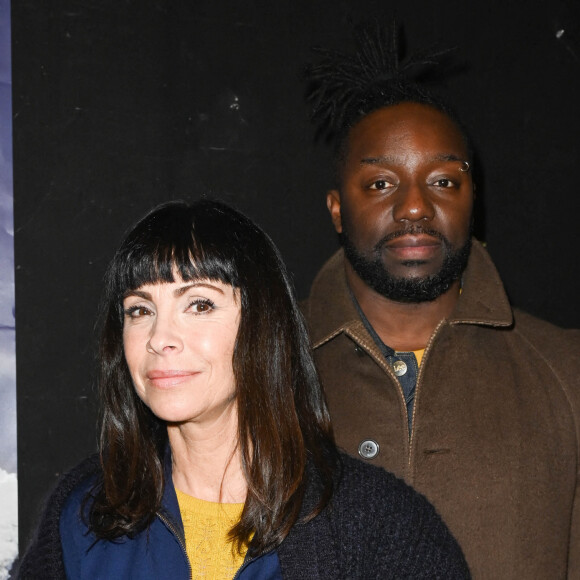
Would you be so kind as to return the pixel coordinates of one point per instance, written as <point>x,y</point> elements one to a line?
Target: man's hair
<point>282,414</point>
<point>344,88</point>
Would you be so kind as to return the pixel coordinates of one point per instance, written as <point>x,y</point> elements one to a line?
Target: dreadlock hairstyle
<point>344,88</point>
<point>283,422</point>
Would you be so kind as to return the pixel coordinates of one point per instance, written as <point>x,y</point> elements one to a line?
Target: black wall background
<point>119,105</point>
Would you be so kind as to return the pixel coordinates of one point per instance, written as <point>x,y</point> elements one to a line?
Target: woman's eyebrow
<point>177,292</point>
<point>183,289</point>
<point>138,293</point>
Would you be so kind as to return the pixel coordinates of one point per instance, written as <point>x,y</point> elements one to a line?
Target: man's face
<point>404,208</point>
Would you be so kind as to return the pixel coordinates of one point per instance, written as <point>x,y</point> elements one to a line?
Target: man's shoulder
<point>547,337</point>
<point>329,308</point>
<point>556,347</point>
<point>324,284</point>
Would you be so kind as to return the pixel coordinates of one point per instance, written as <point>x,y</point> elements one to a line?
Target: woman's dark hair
<point>344,88</point>
<point>283,421</point>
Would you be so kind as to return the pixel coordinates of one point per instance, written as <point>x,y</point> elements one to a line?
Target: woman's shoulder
<point>68,498</point>
<point>43,557</point>
<point>72,491</point>
<point>78,480</point>
<point>81,477</point>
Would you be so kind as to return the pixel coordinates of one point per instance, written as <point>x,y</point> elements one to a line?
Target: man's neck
<point>402,326</point>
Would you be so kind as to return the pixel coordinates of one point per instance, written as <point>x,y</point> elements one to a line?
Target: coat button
<point>368,449</point>
<point>399,367</point>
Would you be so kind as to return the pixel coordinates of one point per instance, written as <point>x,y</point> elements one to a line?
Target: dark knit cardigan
<point>375,527</point>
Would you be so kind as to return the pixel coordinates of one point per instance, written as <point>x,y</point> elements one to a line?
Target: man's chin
<point>414,263</point>
<point>412,290</point>
<point>412,270</point>
<point>412,281</point>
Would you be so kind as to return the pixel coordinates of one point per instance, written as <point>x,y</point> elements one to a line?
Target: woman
<point>217,458</point>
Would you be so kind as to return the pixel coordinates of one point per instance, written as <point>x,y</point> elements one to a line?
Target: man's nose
<point>413,203</point>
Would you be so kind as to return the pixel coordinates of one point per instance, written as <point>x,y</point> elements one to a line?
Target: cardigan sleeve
<point>388,530</point>
<point>375,526</point>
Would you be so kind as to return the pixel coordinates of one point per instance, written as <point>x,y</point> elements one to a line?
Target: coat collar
<point>169,504</point>
<point>330,311</point>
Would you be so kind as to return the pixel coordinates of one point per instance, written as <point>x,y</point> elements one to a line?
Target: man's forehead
<point>406,110</point>
<point>400,156</point>
<point>389,131</point>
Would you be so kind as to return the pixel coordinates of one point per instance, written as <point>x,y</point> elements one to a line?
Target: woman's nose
<point>164,338</point>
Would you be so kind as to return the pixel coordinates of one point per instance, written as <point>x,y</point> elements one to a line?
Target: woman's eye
<point>137,311</point>
<point>201,306</point>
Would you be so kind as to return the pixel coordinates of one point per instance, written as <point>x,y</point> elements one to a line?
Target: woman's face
<point>179,342</point>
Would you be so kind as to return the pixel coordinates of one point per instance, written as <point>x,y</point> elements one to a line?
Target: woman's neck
<point>206,459</point>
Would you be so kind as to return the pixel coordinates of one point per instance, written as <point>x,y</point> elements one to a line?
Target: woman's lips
<point>166,379</point>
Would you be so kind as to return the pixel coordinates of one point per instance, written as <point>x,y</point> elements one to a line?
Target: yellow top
<point>419,355</point>
<point>206,524</point>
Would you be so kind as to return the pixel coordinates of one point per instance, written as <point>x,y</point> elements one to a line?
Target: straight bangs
<point>172,242</point>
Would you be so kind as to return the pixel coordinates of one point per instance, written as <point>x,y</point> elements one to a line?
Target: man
<point>428,371</point>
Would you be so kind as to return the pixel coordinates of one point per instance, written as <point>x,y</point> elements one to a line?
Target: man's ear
<point>333,205</point>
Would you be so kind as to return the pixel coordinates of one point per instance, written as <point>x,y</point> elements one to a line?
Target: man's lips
<point>413,246</point>
<point>169,378</point>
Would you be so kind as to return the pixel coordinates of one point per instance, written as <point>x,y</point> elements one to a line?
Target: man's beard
<point>373,272</point>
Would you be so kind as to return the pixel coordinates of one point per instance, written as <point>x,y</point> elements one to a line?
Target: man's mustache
<point>412,231</point>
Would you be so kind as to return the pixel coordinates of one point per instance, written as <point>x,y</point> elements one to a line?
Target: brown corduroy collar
<point>330,311</point>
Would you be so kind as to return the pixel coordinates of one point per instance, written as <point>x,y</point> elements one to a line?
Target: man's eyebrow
<point>393,160</point>
<point>449,157</point>
<point>383,160</point>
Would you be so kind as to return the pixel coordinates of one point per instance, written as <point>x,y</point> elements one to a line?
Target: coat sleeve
<point>560,349</point>
<point>570,376</point>
<point>574,546</point>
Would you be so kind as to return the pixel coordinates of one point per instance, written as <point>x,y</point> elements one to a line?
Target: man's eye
<point>444,182</point>
<point>380,184</point>
<point>201,306</point>
<point>137,311</point>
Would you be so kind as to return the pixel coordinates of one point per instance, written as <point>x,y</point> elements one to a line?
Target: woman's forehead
<point>179,285</point>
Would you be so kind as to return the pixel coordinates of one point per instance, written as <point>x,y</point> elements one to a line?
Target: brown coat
<point>496,426</point>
